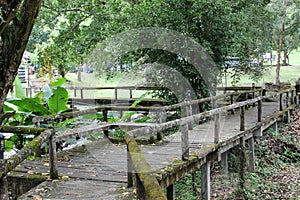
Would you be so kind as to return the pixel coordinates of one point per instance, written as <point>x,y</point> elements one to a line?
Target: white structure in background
<point>24,67</point>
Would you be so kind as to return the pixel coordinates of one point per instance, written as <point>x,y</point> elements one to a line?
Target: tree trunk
<point>15,32</point>
<point>285,58</point>
<point>79,73</point>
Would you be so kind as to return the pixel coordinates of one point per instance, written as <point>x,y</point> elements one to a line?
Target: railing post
<point>242,118</point>
<point>292,97</point>
<point>205,181</point>
<point>81,93</point>
<point>116,95</point>
<point>75,94</point>
<point>53,156</point>
<point>280,102</point>
<point>253,93</point>
<point>3,180</point>
<point>287,99</point>
<point>259,111</point>
<point>188,108</point>
<point>184,141</point>
<point>105,120</point>
<point>217,128</point>
<point>231,102</point>
<point>130,93</point>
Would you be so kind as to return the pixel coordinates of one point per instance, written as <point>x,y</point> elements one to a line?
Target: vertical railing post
<point>280,102</point>
<point>259,110</point>
<point>287,99</point>
<point>217,128</point>
<point>53,156</point>
<point>81,93</point>
<point>116,95</point>
<point>105,120</point>
<point>3,180</point>
<point>242,118</point>
<point>292,97</point>
<point>130,93</point>
<point>75,94</point>
<point>253,93</point>
<point>231,102</point>
<point>184,141</point>
<point>188,108</point>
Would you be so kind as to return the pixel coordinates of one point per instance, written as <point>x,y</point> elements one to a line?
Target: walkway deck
<point>98,170</point>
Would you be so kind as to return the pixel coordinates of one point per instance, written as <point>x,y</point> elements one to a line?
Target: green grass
<point>287,73</point>
<point>94,80</point>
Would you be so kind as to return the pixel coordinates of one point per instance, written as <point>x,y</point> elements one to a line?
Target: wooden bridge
<point>103,169</point>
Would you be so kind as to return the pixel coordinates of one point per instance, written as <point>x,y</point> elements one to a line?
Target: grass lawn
<point>94,80</point>
<point>287,73</point>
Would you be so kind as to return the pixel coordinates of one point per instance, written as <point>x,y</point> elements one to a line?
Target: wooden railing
<point>286,104</point>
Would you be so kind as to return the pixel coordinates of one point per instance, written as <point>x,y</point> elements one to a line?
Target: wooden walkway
<point>98,170</point>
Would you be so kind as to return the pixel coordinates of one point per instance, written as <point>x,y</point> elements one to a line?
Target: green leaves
<point>57,103</point>
<point>31,105</point>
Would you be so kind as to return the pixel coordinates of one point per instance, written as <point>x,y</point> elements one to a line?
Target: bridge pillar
<point>251,154</point>
<point>171,192</point>
<point>205,181</point>
<point>224,163</point>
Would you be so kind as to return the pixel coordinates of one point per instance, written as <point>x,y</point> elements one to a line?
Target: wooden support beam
<point>251,154</point>
<point>231,102</point>
<point>3,181</point>
<point>53,157</point>
<point>171,192</point>
<point>224,163</point>
<point>205,181</point>
<point>184,141</point>
<point>242,118</point>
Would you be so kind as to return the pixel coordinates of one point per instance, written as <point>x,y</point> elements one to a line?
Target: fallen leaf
<point>37,197</point>
<point>64,177</point>
<point>46,164</point>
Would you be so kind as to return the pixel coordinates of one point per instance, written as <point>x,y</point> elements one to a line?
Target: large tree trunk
<point>14,31</point>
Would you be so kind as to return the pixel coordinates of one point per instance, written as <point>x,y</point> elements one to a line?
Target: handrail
<point>149,187</point>
<point>26,151</point>
<point>129,108</point>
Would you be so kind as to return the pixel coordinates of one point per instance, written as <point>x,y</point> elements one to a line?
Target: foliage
<point>223,28</point>
<point>52,100</point>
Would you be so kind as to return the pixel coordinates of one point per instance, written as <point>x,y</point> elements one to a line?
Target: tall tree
<point>17,20</point>
<point>284,11</point>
